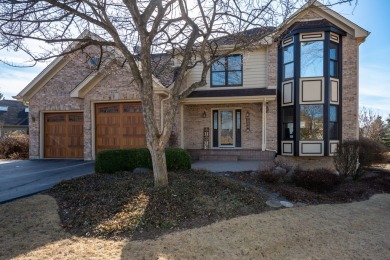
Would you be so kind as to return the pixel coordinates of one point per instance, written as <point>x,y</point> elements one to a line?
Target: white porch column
<point>264,125</point>
<point>182,126</point>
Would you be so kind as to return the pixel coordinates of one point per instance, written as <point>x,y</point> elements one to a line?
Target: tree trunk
<point>159,165</point>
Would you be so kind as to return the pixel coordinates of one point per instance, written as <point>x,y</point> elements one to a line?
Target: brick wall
<point>272,60</point>
<point>194,124</point>
<point>272,126</point>
<point>55,96</point>
<point>350,97</point>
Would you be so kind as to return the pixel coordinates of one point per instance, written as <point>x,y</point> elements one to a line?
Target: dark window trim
<point>287,63</point>
<point>226,71</point>
<point>317,29</point>
<point>336,61</point>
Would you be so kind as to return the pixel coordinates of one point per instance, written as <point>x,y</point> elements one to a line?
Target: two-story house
<point>295,94</point>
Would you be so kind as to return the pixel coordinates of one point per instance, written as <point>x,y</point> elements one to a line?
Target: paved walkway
<point>229,166</point>
<point>23,178</point>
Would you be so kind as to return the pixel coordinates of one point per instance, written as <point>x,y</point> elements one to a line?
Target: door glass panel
<point>227,136</point>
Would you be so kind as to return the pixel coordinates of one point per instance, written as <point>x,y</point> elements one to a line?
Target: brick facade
<point>54,97</point>
<point>350,91</point>
<point>118,86</point>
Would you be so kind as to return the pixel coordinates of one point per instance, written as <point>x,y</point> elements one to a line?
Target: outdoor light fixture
<point>204,114</point>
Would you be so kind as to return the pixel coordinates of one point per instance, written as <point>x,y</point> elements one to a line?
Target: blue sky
<point>372,15</point>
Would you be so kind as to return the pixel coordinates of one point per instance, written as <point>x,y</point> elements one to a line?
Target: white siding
<point>254,71</point>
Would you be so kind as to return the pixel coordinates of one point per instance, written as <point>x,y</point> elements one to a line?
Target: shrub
<point>353,156</point>
<point>320,180</point>
<point>370,152</point>
<point>14,146</point>
<point>346,158</point>
<point>111,161</point>
<point>270,176</point>
<point>177,159</point>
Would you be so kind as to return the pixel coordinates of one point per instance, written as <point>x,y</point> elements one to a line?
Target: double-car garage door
<point>117,126</point>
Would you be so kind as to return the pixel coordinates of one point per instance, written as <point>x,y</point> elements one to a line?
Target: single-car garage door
<point>119,126</point>
<point>64,137</point>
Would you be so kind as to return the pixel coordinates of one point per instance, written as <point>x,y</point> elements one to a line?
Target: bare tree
<point>371,125</point>
<point>192,32</point>
<point>1,96</point>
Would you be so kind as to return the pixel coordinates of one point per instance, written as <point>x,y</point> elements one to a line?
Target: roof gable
<point>324,12</point>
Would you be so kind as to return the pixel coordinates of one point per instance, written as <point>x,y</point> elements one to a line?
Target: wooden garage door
<point>64,137</point>
<point>119,126</point>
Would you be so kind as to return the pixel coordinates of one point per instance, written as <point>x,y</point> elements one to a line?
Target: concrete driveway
<point>23,178</point>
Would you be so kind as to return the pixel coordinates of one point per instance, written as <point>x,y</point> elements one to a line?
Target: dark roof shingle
<point>15,114</point>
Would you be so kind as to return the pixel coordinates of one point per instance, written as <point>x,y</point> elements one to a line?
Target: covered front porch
<point>229,128</point>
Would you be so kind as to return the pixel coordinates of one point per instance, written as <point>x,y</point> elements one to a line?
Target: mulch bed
<point>124,204</point>
<point>372,182</point>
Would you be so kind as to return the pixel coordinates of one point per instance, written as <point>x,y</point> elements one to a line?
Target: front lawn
<point>127,205</point>
<point>374,181</point>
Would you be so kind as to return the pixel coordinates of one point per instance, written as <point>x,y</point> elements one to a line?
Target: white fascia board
<point>332,16</point>
<point>359,31</point>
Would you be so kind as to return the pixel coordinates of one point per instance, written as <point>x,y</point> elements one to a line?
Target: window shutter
<point>215,128</point>
<point>238,128</point>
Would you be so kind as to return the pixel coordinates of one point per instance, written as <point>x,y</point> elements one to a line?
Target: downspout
<point>162,111</point>
<point>264,130</point>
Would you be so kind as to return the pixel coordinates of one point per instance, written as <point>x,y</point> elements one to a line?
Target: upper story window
<point>334,59</point>
<point>312,59</point>
<point>227,71</point>
<point>288,62</point>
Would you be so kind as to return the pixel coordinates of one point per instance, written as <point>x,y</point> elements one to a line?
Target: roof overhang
<point>325,12</point>
<point>227,100</point>
<point>230,96</point>
<point>52,69</point>
<point>39,81</point>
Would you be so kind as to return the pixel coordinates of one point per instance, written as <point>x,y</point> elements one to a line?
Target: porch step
<point>218,158</point>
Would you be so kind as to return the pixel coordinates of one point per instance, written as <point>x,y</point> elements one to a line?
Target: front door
<point>226,128</point>
<point>227,133</point>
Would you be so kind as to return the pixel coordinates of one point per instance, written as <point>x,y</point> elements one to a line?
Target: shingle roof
<point>163,68</point>
<point>15,114</point>
<point>251,35</point>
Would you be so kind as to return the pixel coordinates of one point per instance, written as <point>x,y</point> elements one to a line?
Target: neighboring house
<point>296,94</point>
<point>13,117</point>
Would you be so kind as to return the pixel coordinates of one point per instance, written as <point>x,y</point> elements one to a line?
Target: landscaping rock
<point>273,203</point>
<point>141,170</point>
<point>286,204</point>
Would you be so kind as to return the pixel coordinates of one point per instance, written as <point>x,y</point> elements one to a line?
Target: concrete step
<point>218,158</point>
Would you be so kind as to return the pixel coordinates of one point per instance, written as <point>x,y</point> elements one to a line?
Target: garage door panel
<point>119,126</point>
<point>64,137</point>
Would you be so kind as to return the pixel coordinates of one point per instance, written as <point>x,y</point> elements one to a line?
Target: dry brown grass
<point>29,229</point>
